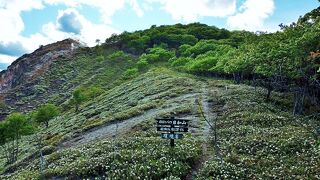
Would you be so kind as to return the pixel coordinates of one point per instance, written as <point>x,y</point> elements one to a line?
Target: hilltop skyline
<point>31,23</point>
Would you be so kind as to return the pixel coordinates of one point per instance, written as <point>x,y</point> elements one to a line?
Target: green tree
<point>156,54</point>
<point>11,130</point>
<point>142,64</point>
<point>130,73</point>
<point>78,97</point>
<point>162,54</point>
<point>201,47</point>
<point>180,62</point>
<point>4,139</point>
<point>304,39</point>
<point>203,62</point>
<point>272,61</point>
<point>45,113</point>
<point>240,63</point>
<point>184,51</point>
<point>223,60</point>
<point>139,44</point>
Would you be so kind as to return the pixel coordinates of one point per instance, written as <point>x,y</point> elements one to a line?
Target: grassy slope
<point>261,140</point>
<point>257,139</point>
<point>138,150</point>
<point>82,70</point>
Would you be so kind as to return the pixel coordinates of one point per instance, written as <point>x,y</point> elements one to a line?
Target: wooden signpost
<point>170,126</point>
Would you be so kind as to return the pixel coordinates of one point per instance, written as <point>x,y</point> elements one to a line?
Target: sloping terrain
<point>261,140</point>
<point>52,72</point>
<point>263,124</point>
<point>132,107</point>
<point>114,136</point>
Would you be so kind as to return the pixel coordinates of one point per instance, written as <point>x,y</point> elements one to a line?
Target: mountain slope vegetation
<point>253,100</point>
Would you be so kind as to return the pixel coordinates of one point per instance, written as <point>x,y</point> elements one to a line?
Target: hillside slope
<point>252,100</point>
<point>114,135</point>
<point>159,93</point>
<point>21,79</point>
<point>51,73</point>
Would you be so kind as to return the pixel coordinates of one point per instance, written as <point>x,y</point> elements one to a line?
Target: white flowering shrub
<point>261,140</point>
<point>131,158</point>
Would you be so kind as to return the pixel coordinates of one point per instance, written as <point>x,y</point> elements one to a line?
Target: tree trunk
<point>269,94</point>
<point>254,83</point>
<point>237,77</point>
<point>12,152</point>
<point>270,89</point>
<point>299,101</point>
<point>77,107</point>
<point>17,149</point>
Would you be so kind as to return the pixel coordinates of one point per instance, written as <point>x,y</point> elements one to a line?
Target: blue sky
<point>26,24</point>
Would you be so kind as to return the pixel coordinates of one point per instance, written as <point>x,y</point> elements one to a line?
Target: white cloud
<point>88,33</point>
<point>192,10</point>
<point>18,5</point>
<point>7,59</point>
<point>68,21</point>
<point>136,7</point>
<point>251,15</point>
<point>146,6</point>
<point>13,25</point>
<point>11,21</point>
<point>106,8</point>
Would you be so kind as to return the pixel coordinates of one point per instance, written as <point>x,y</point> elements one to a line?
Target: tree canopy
<point>45,113</point>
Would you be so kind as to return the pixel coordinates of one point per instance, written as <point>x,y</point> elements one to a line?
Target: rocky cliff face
<point>29,66</point>
<point>19,80</point>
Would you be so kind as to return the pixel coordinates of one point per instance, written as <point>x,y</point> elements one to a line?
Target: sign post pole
<point>172,142</point>
<point>172,132</point>
<point>171,126</point>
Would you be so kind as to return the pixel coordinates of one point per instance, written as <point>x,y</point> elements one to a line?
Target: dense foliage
<point>288,60</point>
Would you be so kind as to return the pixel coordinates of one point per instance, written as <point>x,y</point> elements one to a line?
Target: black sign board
<point>172,125</point>
<point>173,129</point>
<point>178,122</point>
<point>171,136</point>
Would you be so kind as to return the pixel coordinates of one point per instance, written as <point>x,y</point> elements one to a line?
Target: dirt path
<point>119,128</point>
<point>207,118</point>
<point>202,126</point>
<point>110,129</point>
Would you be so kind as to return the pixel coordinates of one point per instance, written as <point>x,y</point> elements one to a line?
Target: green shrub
<point>2,105</point>
<point>130,73</point>
<point>99,58</point>
<point>142,64</point>
<point>117,55</point>
<point>182,61</point>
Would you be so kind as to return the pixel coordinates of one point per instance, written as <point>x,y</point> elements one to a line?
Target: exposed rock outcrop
<point>29,66</point>
<point>22,76</point>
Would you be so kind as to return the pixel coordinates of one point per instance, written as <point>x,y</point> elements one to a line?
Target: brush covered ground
<point>255,138</point>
